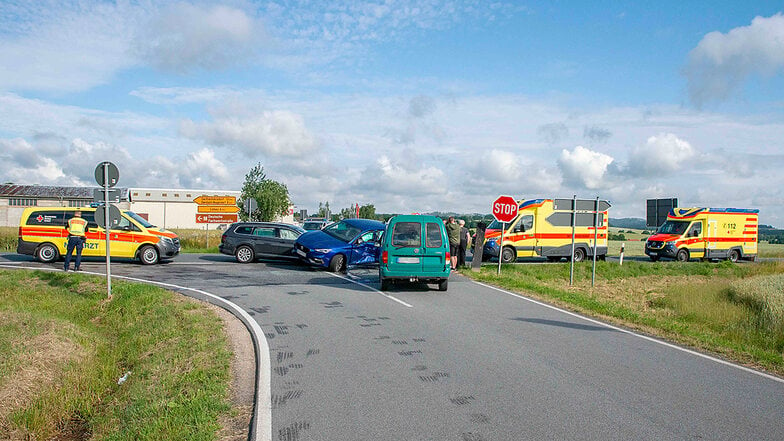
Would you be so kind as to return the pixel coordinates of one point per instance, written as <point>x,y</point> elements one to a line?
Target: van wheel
<point>244,254</point>
<point>47,253</point>
<point>682,256</point>
<point>508,255</point>
<point>385,284</point>
<point>734,256</point>
<point>443,285</point>
<point>337,263</point>
<point>579,255</point>
<point>148,255</point>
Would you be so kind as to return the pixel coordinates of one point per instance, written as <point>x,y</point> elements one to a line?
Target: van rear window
<point>434,236</point>
<point>407,234</point>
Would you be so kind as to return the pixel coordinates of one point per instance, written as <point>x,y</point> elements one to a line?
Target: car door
<point>264,238</point>
<point>434,251</point>
<point>283,243</point>
<point>95,243</point>
<point>695,241</point>
<point>365,248</point>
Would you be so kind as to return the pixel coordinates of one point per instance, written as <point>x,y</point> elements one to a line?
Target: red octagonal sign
<point>505,209</point>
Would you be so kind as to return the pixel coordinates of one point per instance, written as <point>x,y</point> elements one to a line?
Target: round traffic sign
<point>107,176</point>
<point>505,209</point>
<point>114,216</point>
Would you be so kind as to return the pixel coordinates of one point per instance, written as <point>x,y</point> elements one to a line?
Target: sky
<point>410,105</point>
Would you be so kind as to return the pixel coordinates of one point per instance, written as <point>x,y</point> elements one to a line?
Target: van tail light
<point>448,256</point>
<point>384,257</point>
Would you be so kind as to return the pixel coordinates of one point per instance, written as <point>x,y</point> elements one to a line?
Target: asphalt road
<point>473,363</point>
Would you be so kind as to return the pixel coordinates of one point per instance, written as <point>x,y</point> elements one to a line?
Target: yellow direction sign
<point>215,200</point>
<point>217,209</point>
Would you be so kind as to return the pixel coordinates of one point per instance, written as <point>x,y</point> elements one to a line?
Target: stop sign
<point>505,209</point>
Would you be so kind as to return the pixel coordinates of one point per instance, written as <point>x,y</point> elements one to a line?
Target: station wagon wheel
<point>148,255</point>
<point>244,254</point>
<point>337,263</point>
<point>734,256</point>
<point>47,253</point>
<point>579,255</point>
<point>508,255</point>
<point>682,256</point>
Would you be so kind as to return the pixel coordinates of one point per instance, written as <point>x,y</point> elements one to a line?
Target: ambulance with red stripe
<point>543,230</point>
<point>42,234</point>
<point>706,233</point>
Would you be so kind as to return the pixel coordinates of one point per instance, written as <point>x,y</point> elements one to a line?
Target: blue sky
<point>410,105</point>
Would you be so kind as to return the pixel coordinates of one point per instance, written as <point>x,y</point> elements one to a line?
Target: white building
<point>167,208</point>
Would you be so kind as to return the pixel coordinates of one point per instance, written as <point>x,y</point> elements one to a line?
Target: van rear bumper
<point>25,247</point>
<point>429,277</point>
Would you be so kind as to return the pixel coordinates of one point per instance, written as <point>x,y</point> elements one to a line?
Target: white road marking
<point>644,337</point>
<point>263,406</point>
<point>190,263</point>
<point>372,289</point>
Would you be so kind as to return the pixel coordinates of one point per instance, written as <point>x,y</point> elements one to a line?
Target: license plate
<point>408,260</point>
<point>301,253</point>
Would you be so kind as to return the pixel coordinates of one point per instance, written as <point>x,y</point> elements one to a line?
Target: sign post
<point>504,210</point>
<point>107,175</point>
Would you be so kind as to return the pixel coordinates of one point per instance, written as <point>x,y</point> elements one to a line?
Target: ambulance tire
<point>682,256</point>
<point>734,256</point>
<point>244,254</point>
<point>654,258</point>
<point>337,263</point>
<point>508,255</point>
<point>148,255</point>
<point>579,255</point>
<point>47,253</point>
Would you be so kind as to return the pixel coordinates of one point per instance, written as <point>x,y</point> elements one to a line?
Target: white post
<point>595,238</point>
<point>571,258</point>
<point>622,244</point>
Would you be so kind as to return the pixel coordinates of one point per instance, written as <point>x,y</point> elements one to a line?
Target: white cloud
<point>584,167</point>
<point>184,36</point>
<point>404,178</point>
<point>276,133</point>
<point>721,62</point>
<point>660,155</point>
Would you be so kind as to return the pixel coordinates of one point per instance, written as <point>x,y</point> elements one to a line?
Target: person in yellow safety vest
<point>76,237</point>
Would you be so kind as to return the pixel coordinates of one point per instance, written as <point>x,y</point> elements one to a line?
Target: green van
<point>414,248</point>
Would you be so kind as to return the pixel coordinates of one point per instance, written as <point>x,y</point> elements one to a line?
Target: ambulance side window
<point>525,224</point>
<point>695,230</point>
<point>89,216</point>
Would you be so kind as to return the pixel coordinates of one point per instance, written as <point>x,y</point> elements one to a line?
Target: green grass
<point>196,241</point>
<point>8,238</point>
<point>736,310</point>
<point>65,346</point>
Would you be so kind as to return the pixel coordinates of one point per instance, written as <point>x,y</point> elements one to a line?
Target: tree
<point>271,196</point>
<point>367,211</point>
<point>324,209</point>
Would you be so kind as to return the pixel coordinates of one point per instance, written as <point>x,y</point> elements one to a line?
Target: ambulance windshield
<point>142,221</point>
<point>673,227</point>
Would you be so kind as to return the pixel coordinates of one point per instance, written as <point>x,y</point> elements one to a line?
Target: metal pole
<point>501,247</point>
<point>595,238</point>
<point>207,235</point>
<point>106,229</point>
<point>571,258</point>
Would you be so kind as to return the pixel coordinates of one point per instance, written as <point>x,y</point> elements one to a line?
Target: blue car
<point>349,242</point>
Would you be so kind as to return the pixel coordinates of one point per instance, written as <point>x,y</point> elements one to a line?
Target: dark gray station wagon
<point>248,241</point>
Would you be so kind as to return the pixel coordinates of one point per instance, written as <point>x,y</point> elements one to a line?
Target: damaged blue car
<point>350,242</point>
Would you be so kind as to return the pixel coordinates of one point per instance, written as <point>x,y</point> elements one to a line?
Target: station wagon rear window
<point>407,234</point>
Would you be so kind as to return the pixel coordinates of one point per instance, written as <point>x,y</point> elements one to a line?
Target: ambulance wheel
<point>734,256</point>
<point>337,263</point>
<point>148,255</point>
<point>654,258</point>
<point>443,285</point>
<point>579,255</point>
<point>244,254</point>
<point>508,255</point>
<point>47,253</point>
<point>682,256</point>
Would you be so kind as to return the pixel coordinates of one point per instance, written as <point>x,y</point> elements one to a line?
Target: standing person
<point>76,237</point>
<point>464,239</point>
<point>453,232</point>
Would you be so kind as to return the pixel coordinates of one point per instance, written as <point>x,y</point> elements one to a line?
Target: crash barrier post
<point>622,244</point>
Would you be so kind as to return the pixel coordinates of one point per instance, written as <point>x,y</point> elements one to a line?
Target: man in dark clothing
<point>461,249</point>
<point>76,237</point>
<point>453,232</point>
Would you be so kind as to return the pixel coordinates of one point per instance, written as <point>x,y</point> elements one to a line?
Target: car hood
<point>319,239</point>
<point>664,237</point>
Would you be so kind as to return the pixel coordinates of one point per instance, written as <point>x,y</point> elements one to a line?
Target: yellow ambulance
<point>706,233</point>
<point>544,229</point>
<point>42,234</point>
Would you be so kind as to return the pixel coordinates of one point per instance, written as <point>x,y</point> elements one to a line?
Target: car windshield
<point>142,221</point>
<point>312,225</point>
<point>673,227</point>
<point>342,231</point>
<point>494,225</point>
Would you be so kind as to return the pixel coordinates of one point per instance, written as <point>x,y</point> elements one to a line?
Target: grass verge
<point>65,346</point>
<point>735,310</point>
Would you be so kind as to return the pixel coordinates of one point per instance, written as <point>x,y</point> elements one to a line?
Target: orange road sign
<point>216,218</point>
<point>217,209</point>
<point>215,200</point>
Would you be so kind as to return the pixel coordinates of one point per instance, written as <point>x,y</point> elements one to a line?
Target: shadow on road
<point>564,324</point>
